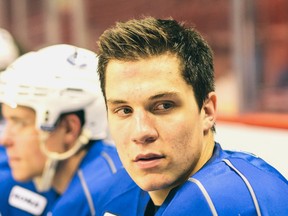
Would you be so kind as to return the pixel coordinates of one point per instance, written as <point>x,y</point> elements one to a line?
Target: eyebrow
<point>153,97</point>
<point>163,95</point>
<point>111,101</point>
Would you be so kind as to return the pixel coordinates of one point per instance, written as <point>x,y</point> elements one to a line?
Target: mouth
<point>148,161</point>
<point>13,160</point>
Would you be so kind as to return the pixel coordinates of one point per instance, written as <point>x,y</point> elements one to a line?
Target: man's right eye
<point>17,123</point>
<point>124,111</point>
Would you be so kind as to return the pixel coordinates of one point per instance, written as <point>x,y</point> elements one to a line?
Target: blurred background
<point>249,39</point>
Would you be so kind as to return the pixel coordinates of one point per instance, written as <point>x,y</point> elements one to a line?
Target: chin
<point>21,177</point>
<point>152,185</point>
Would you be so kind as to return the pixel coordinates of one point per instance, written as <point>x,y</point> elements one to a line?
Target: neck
<point>66,170</point>
<point>159,196</point>
<point>206,154</point>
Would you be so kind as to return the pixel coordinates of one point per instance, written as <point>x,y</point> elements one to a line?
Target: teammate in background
<point>157,78</point>
<point>55,130</point>
<point>9,51</point>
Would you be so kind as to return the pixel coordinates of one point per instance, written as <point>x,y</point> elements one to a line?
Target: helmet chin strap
<point>43,183</point>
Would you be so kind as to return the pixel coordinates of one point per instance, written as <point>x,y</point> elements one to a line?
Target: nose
<point>5,136</point>
<point>143,130</point>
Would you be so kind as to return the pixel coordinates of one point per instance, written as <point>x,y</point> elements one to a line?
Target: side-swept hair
<point>147,37</point>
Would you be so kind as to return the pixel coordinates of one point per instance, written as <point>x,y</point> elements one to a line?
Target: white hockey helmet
<point>55,80</point>
<point>8,49</point>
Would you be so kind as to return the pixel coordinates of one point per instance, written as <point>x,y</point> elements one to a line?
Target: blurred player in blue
<point>9,51</point>
<point>157,77</point>
<point>55,132</point>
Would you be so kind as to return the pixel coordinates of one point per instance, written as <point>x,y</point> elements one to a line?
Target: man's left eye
<point>164,106</point>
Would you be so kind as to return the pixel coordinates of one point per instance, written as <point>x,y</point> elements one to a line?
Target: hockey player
<point>55,131</point>
<point>157,77</point>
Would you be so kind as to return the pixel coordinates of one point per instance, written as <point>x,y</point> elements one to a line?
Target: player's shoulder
<point>120,195</point>
<point>120,183</point>
<point>247,161</point>
<point>104,146</point>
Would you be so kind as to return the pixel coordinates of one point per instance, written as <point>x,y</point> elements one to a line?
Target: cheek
<point>124,150</point>
<point>120,132</point>
<point>54,146</point>
<point>37,159</point>
<point>35,151</point>
<point>186,140</point>
<point>56,143</point>
<point>121,139</point>
<point>34,157</point>
<point>177,131</point>
<point>28,145</point>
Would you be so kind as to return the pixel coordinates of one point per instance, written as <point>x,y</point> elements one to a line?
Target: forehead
<point>19,111</point>
<point>155,66</point>
<point>144,77</point>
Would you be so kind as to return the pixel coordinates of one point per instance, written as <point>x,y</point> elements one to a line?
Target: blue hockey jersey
<point>99,164</point>
<point>16,196</point>
<point>230,183</point>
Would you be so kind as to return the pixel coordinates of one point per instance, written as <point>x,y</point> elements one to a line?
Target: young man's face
<point>21,140</point>
<point>155,121</point>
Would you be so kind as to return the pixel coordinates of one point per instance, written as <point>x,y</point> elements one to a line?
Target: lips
<point>12,159</point>
<point>14,163</point>
<point>148,161</point>
<point>147,157</point>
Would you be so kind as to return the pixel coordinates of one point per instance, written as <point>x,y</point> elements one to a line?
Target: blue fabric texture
<point>227,191</point>
<point>92,173</point>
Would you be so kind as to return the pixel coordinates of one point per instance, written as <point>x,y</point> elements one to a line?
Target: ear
<point>209,112</point>
<point>73,129</point>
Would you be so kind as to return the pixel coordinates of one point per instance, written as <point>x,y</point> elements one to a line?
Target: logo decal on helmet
<point>76,60</point>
